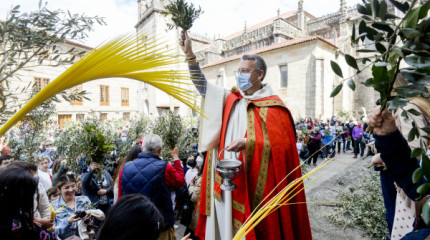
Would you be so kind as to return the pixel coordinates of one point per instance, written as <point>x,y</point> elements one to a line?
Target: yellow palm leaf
<point>141,58</point>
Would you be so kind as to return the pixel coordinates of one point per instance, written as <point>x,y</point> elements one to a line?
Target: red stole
<point>270,155</point>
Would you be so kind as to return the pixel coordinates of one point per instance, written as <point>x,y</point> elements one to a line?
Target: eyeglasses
<point>69,187</point>
<point>246,70</point>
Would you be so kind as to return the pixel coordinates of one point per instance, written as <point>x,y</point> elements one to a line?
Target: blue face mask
<point>243,81</point>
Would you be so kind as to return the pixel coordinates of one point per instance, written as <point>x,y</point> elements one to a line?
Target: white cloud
<point>220,17</point>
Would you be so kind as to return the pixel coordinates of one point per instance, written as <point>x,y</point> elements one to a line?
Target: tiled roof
<point>77,44</point>
<point>271,48</point>
<point>261,24</point>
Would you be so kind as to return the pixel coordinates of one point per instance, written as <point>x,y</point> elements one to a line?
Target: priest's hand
<point>237,145</point>
<point>185,44</point>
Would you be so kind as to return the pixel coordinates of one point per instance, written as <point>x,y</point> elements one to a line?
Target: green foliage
<point>32,131</point>
<point>406,40</point>
<point>183,14</point>
<point>364,208</point>
<point>74,142</point>
<point>33,39</point>
<point>98,146</point>
<point>172,130</point>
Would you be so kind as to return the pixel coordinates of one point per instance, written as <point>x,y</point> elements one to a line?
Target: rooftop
<point>271,48</point>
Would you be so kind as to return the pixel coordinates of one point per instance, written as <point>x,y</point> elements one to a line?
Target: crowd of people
<point>144,195</point>
<point>318,138</point>
<point>54,201</point>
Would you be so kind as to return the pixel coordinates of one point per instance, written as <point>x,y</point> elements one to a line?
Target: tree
<point>32,132</point>
<point>397,40</point>
<point>34,39</point>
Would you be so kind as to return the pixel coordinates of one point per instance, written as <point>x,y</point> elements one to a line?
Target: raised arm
<point>197,75</point>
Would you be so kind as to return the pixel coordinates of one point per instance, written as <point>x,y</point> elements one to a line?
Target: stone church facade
<point>297,47</point>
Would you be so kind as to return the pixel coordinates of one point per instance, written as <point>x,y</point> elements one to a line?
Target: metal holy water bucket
<point>228,169</point>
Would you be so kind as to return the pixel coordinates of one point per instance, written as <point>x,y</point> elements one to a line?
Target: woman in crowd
<point>97,185</point>
<point>192,171</point>
<point>132,217</point>
<point>17,189</point>
<point>194,192</point>
<point>70,209</point>
<point>43,172</point>
<point>314,145</point>
<point>133,154</point>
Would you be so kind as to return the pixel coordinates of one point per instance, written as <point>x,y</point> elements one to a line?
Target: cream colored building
<point>113,98</point>
<point>297,47</point>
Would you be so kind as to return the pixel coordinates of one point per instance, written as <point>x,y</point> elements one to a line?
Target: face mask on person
<point>243,81</point>
<point>123,139</point>
<point>199,161</point>
<point>190,163</point>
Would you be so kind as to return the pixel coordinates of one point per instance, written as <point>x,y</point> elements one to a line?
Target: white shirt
<point>299,146</point>
<point>45,179</point>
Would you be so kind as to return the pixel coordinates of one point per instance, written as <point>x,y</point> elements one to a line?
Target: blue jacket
<point>327,139</point>
<point>145,175</point>
<point>63,228</point>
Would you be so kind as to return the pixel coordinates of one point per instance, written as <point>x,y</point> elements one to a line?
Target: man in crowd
<point>357,135</point>
<point>253,121</point>
<point>149,175</point>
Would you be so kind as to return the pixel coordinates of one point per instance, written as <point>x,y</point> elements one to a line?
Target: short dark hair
<point>26,166</point>
<point>131,216</point>
<point>259,62</point>
<point>5,157</point>
<point>51,191</point>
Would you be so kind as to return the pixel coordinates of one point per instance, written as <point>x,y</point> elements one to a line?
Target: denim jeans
<point>344,147</point>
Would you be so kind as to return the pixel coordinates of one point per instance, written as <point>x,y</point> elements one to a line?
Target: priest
<point>254,122</point>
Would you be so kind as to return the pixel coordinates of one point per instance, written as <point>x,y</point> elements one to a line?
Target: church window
<point>104,95</point>
<point>284,75</point>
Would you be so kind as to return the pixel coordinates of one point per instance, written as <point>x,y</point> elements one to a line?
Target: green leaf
<point>375,8</point>
<point>399,6</point>
<point>411,20</point>
<point>424,10</point>
<point>411,33</point>
<point>384,27</point>
<point>350,60</point>
<point>382,10</point>
<point>418,175</point>
<point>381,48</point>
<point>362,28</point>
<point>361,9</point>
<point>412,133</point>
<point>426,212</point>
<point>397,103</point>
<point>408,91</point>
<point>423,189</point>
<point>418,61</point>
<point>414,112</point>
<point>417,152</point>
<point>336,90</point>
<point>366,50</point>
<point>351,84</point>
<point>426,129</point>
<point>336,69</point>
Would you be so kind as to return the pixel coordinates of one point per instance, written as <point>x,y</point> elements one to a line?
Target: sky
<point>220,17</point>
